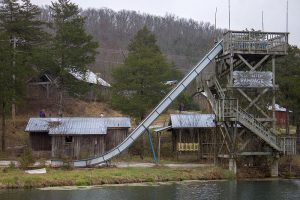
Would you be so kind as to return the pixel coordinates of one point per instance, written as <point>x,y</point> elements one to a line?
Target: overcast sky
<point>244,13</point>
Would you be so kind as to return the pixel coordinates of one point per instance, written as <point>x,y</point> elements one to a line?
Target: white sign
<point>252,79</point>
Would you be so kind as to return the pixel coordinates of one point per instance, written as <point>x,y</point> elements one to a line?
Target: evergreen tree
<point>288,78</point>
<point>140,81</point>
<point>20,33</point>
<point>5,82</point>
<point>73,49</point>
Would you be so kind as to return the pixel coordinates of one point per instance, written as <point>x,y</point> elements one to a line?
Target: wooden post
<point>214,130</point>
<point>287,120</point>
<point>47,90</point>
<point>180,139</point>
<point>273,99</point>
<point>158,146</point>
<point>53,146</point>
<point>198,141</point>
<point>231,71</point>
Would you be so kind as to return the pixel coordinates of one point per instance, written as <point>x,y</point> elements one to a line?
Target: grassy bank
<point>16,178</point>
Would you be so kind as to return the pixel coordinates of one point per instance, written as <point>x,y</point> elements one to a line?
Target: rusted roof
<point>76,125</point>
<point>192,120</point>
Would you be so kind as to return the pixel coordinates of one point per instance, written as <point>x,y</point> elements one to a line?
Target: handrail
<point>210,98</point>
<point>228,108</point>
<point>265,133</point>
<point>219,89</point>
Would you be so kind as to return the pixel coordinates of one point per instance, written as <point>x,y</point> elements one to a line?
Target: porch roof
<point>192,121</point>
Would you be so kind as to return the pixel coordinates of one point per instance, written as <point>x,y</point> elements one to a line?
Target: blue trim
<point>152,147</point>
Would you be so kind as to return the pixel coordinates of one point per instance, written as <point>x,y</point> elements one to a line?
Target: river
<point>258,190</point>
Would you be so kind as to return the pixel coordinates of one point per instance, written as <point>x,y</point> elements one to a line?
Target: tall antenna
<point>216,18</point>
<point>229,12</point>
<point>287,16</point>
<point>216,24</point>
<point>262,21</point>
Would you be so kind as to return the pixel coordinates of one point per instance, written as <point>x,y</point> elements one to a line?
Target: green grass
<point>16,178</point>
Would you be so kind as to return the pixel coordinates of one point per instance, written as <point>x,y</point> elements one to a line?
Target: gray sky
<point>244,13</point>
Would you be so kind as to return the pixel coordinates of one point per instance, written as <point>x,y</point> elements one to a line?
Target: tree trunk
<point>287,120</point>
<point>60,105</point>
<point>298,125</point>
<point>298,133</point>
<point>3,128</point>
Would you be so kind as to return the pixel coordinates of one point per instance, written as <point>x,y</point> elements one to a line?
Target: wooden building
<point>202,101</point>
<point>280,115</point>
<point>43,86</point>
<point>46,86</point>
<point>98,87</point>
<point>76,137</point>
<point>193,135</point>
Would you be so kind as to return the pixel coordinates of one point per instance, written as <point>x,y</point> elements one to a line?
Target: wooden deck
<point>255,42</point>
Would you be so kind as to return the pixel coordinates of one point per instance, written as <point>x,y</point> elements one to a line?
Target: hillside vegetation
<point>183,41</point>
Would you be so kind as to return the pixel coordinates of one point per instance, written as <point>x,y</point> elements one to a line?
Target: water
<point>258,190</point>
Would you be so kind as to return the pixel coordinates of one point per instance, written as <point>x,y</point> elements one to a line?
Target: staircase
<point>228,109</point>
<point>258,128</point>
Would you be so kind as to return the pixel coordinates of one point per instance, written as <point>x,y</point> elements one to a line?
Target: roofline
<point>72,134</point>
<point>39,131</point>
<point>163,129</point>
<point>75,117</point>
<point>193,127</point>
<point>257,31</point>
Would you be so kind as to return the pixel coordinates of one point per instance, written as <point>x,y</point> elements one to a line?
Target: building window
<point>68,139</point>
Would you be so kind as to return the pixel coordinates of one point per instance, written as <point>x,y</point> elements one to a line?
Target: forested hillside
<point>183,41</point>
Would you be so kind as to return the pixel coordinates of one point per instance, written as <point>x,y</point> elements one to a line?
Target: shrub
<point>26,159</point>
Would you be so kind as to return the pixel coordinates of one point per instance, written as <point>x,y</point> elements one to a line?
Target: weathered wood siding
<point>82,146</point>
<point>46,91</point>
<point>205,137</point>
<point>40,141</point>
<point>114,137</point>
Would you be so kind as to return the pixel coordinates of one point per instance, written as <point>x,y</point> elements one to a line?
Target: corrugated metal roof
<point>192,120</point>
<point>90,77</point>
<point>76,125</point>
<point>163,129</point>
<point>278,108</point>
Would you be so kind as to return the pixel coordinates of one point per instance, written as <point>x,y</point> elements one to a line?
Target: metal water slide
<point>157,111</point>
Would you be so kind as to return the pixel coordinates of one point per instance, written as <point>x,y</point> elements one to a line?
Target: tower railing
<point>228,109</point>
<point>255,42</point>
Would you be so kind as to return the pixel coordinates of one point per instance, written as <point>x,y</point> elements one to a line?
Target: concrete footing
<point>232,166</point>
<point>274,167</point>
